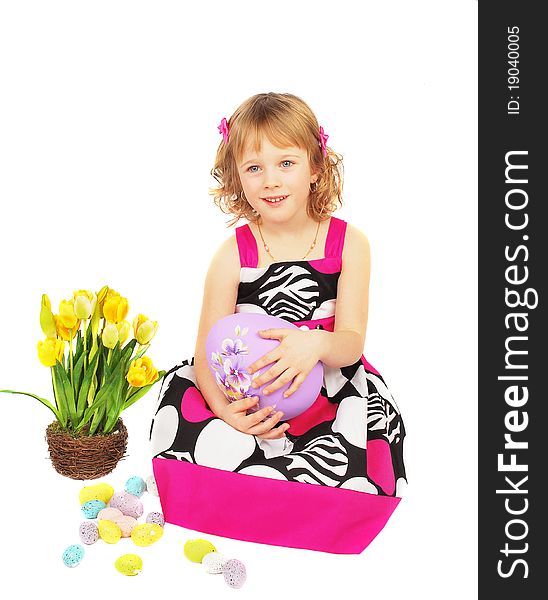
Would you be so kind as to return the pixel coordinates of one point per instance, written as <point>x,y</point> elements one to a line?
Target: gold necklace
<point>312,245</point>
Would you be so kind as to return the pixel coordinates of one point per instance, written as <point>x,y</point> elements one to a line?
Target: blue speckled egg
<point>89,533</point>
<point>234,573</point>
<point>73,555</point>
<point>136,486</point>
<point>91,508</point>
<point>156,517</point>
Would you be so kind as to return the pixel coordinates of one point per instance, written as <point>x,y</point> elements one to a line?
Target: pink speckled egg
<point>129,504</point>
<point>110,514</point>
<point>126,524</point>
<point>156,517</point>
<point>89,533</point>
<point>234,573</point>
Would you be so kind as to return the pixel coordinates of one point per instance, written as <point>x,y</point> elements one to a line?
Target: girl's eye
<point>287,161</point>
<point>252,167</point>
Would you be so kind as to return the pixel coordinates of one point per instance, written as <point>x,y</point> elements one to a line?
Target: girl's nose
<point>271,178</point>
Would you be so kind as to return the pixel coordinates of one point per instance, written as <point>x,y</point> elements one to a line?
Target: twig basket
<point>86,457</point>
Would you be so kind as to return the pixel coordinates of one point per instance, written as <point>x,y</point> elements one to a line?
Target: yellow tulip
<point>50,351</point>
<point>84,303</point>
<point>66,314</point>
<point>101,297</point>
<point>142,372</point>
<point>123,331</point>
<point>110,335</point>
<point>144,329</point>
<point>64,332</point>
<point>47,322</point>
<point>115,308</point>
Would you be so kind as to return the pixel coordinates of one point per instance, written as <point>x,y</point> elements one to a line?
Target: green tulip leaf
<point>42,400</point>
<point>59,392</point>
<point>62,378</point>
<point>77,377</point>
<point>102,397</point>
<point>79,346</point>
<point>86,384</point>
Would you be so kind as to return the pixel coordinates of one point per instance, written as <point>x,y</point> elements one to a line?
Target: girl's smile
<point>274,200</point>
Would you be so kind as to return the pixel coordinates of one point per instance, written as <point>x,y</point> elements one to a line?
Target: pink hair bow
<point>223,128</point>
<point>323,140</point>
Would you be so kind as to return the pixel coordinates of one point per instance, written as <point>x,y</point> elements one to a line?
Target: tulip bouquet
<point>102,373</point>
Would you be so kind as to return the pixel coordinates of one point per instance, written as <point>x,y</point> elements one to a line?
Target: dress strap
<point>334,242</point>
<point>247,246</point>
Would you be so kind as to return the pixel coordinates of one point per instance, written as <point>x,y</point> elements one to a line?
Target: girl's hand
<point>235,414</point>
<point>293,360</point>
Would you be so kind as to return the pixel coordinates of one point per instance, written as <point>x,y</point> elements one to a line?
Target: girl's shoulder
<point>226,261</point>
<point>356,245</point>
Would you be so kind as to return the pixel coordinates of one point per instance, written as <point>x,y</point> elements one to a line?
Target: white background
<point>108,131</point>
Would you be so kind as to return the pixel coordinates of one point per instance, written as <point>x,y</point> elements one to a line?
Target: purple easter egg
<point>233,343</point>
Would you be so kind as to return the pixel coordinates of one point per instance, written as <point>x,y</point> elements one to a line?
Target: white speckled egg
<point>73,555</point>
<point>89,533</point>
<point>110,514</point>
<point>152,488</point>
<point>129,504</point>
<point>214,562</point>
<point>91,508</point>
<point>234,573</point>
<point>126,525</point>
<point>156,517</point>
<point>136,486</point>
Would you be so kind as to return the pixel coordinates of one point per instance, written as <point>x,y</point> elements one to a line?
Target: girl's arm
<point>344,346</point>
<point>219,300</point>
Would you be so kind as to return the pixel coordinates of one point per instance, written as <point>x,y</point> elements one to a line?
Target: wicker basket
<point>85,457</point>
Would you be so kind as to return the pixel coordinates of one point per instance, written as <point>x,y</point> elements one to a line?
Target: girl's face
<point>276,181</point>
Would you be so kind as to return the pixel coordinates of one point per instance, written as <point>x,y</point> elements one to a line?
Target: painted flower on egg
<point>233,347</point>
<point>230,376</point>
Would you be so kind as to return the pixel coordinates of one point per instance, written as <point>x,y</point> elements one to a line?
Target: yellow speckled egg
<point>109,531</point>
<point>195,550</point>
<point>99,491</point>
<point>129,564</point>
<point>146,534</point>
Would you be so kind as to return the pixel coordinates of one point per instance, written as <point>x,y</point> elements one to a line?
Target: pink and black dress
<point>333,482</point>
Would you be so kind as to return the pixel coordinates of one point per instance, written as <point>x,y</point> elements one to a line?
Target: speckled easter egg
<point>136,486</point>
<point>110,514</point>
<point>89,533</point>
<point>195,550</point>
<point>126,524</point>
<point>213,562</point>
<point>152,488</point>
<point>146,534</point>
<point>109,531</point>
<point>73,555</point>
<point>99,491</point>
<point>156,517</point>
<point>129,564</point>
<point>129,504</point>
<point>91,508</point>
<point>234,573</point>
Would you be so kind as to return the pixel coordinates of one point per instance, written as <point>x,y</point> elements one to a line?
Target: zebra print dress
<point>350,439</point>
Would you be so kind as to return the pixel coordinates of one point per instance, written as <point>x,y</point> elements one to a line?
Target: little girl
<point>330,478</point>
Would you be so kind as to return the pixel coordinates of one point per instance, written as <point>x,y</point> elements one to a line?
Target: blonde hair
<point>286,120</point>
